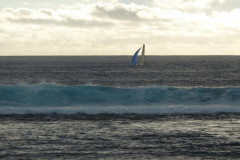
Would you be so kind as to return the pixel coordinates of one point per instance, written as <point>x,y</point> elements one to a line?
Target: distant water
<point>172,107</point>
<point>177,71</point>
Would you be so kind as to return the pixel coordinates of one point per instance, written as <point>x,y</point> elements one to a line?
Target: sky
<point>119,27</point>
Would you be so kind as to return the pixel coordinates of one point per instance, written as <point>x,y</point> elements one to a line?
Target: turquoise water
<point>52,98</point>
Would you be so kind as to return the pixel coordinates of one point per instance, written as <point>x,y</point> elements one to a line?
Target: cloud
<point>194,6</point>
<point>224,5</point>
<point>69,22</point>
<point>105,27</point>
<point>183,4</point>
<point>49,17</point>
<point>118,11</point>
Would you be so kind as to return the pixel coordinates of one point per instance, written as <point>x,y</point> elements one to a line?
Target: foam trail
<point>48,98</point>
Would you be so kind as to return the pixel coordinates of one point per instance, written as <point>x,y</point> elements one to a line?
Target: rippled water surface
<point>117,70</point>
<point>120,136</point>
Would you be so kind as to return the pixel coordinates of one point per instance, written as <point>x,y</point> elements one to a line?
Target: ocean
<point>102,107</point>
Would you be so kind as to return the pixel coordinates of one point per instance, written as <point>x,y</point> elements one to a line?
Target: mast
<point>143,53</point>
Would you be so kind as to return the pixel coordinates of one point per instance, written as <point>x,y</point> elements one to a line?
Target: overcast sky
<point>119,27</point>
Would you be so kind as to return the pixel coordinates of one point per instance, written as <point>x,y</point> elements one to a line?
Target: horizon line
<point>121,55</point>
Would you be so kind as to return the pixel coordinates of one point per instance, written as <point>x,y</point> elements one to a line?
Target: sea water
<point>86,107</point>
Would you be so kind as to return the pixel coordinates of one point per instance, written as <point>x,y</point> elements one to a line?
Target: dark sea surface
<point>102,107</point>
<point>179,71</point>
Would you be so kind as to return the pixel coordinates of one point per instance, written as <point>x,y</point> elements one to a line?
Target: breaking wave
<point>49,98</point>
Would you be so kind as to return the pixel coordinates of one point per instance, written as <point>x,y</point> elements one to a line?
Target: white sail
<point>142,56</point>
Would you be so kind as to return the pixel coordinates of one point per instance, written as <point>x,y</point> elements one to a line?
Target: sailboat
<point>135,56</point>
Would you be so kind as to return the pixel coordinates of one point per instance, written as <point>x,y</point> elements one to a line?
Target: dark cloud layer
<point>118,13</point>
<point>227,5</point>
<point>67,22</point>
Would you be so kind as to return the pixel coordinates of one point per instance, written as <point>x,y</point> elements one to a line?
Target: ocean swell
<point>48,98</point>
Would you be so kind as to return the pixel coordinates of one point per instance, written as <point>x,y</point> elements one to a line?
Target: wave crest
<point>44,98</point>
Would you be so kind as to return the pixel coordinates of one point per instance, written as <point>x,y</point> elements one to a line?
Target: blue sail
<point>134,58</point>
